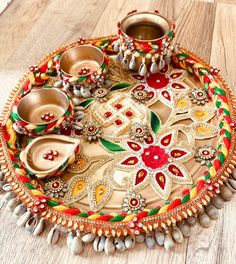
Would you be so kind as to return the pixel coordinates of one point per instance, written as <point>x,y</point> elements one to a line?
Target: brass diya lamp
<point>83,67</point>
<point>144,39</point>
<point>49,155</point>
<point>41,111</point>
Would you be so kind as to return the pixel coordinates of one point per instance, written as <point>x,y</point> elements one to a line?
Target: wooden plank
<point>15,24</point>
<point>194,27</point>
<point>226,1</point>
<point>49,25</point>
<point>223,45</point>
<point>107,24</point>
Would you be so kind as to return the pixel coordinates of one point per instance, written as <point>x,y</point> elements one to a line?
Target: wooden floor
<point>31,28</point>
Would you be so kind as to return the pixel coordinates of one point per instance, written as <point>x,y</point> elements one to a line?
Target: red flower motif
<point>154,157</point>
<point>158,80</point>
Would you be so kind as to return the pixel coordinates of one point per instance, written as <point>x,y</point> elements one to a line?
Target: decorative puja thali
<point>119,140</point>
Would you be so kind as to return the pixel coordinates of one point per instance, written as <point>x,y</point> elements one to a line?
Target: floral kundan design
<point>101,94</point>
<point>139,132</point>
<point>55,188</point>
<point>199,96</point>
<point>205,154</point>
<point>92,131</point>
<point>165,83</point>
<point>133,202</point>
<point>159,162</point>
<point>140,94</point>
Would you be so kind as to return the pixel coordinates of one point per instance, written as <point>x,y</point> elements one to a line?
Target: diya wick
<point>145,39</point>
<point>83,67</point>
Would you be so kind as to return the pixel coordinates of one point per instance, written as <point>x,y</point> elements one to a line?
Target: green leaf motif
<point>52,203</point>
<point>105,42</point>
<point>87,102</point>
<point>40,128</point>
<point>110,146</point>
<point>103,66</point>
<point>120,86</point>
<point>29,186</point>
<point>14,116</point>
<point>171,34</point>
<point>82,78</point>
<point>183,55</point>
<point>155,122</point>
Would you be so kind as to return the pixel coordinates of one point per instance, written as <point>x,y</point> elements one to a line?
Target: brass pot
<point>144,38</point>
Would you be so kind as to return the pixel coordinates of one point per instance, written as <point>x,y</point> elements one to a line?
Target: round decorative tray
<point>135,159</point>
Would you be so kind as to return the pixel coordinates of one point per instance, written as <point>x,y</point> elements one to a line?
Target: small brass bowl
<point>41,111</point>
<point>73,60</point>
<point>83,65</point>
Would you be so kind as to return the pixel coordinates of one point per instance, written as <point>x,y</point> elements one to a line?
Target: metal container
<point>144,39</point>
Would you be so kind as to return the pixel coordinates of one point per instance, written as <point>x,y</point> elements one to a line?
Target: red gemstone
<point>151,95</point>
<point>55,184</point>
<point>140,93</point>
<point>133,202</point>
<point>166,95</point>
<point>91,128</point>
<point>129,113</point>
<point>130,161</point>
<point>139,87</point>
<point>100,91</point>
<point>200,94</point>
<point>165,69</point>
<point>149,140</point>
<point>175,170</point>
<point>134,146</point>
<point>161,180</point>
<point>206,152</point>
<point>50,157</point>
<point>118,106</point>
<point>137,76</point>
<point>139,130</point>
<point>118,122</point>
<point>177,153</point>
<point>165,141</point>
<point>45,156</point>
<point>140,176</point>
<point>108,114</point>
<point>178,86</point>
<point>175,75</point>
<point>50,152</point>
<point>145,46</point>
<point>55,153</point>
